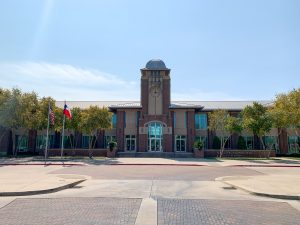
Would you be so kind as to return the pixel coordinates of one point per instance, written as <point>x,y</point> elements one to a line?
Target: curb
<point>151,164</point>
<point>292,166</point>
<point>41,164</point>
<point>286,197</point>
<point>45,191</point>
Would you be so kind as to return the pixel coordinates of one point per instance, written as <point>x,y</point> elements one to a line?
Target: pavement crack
<point>150,194</point>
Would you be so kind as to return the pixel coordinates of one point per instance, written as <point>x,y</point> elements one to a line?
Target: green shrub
<point>241,143</point>
<point>199,145</point>
<point>112,145</point>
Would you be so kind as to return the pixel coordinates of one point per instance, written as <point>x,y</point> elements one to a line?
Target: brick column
<point>120,130</point>
<point>144,95</point>
<point>142,143</point>
<point>190,130</point>
<point>167,139</point>
<point>31,140</point>
<point>78,139</point>
<point>283,141</point>
<point>166,96</point>
<point>100,139</point>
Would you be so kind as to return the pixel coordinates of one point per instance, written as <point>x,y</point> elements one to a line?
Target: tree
<point>11,113</point>
<point>286,110</point>
<point>257,120</point>
<point>92,120</point>
<point>221,121</point>
<point>74,124</point>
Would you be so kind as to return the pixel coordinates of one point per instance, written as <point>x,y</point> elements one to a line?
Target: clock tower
<point>155,122</point>
<point>155,88</point>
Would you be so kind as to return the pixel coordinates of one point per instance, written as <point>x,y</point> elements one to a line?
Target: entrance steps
<point>156,154</point>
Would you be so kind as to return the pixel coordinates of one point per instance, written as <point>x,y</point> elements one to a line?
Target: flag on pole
<point>52,116</point>
<point>67,112</point>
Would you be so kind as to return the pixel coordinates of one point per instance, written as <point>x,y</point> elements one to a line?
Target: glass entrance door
<point>155,135</point>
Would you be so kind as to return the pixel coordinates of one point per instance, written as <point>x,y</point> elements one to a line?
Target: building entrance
<point>155,137</point>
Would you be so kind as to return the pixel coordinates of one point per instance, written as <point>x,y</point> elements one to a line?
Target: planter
<point>198,153</point>
<point>111,153</point>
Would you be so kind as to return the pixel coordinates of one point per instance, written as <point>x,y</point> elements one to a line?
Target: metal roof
<point>156,64</point>
<point>204,105</point>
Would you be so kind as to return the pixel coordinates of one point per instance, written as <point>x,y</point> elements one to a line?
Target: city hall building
<point>155,125</point>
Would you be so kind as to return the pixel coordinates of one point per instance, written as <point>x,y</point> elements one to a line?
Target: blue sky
<point>93,50</point>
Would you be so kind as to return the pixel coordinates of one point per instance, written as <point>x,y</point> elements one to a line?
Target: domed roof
<point>156,64</point>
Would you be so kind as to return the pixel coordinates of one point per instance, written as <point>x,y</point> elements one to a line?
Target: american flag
<point>52,117</point>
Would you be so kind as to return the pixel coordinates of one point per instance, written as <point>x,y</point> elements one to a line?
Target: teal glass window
<point>114,120</point>
<point>249,142</point>
<point>85,141</point>
<point>40,142</point>
<point>271,142</point>
<point>201,121</point>
<point>174,120</point>
<point>293,144</point>
<point>124,119</point>
<point>22,143</point>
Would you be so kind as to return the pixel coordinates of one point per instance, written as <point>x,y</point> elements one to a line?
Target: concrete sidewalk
<point>273,162</point>
<point>25,180</point>
<point>282,183</point>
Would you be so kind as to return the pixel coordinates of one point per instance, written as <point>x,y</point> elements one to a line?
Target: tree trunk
<point>223,143</point>
<point>13,134</point>
<point>262,142</point>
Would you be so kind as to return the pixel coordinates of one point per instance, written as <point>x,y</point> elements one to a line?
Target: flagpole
<point>63,134</point>
<point>47,136</point>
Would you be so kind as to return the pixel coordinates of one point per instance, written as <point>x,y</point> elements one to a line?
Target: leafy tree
<point>241,143</point>
<point>4,96</point>
<point>43,111</point>
<point>221,121</point>
<point>74,125</point>
<point>11,112</point>
<point>92,120</point>
<point>286,110</point>
<point>257,120</point>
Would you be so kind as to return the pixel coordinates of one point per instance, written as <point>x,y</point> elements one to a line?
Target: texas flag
<point>67,112</point>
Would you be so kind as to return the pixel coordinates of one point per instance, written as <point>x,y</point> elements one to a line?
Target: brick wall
<point>190,130</point>
<point>120,130</point>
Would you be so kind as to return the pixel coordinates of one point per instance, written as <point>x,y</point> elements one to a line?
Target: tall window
<point>114,120</point>
<point>180,143</point>
<point>124,119</point>
<point>85,141</point>
<point>40,142</point>
<point>130,142</point>
<point>271,142</point>
<point>201,121</point>
<point>174,120</point>
<point>22,143</point>
<point>203,139</point>
<point>68,141</point>
<point>248,142</point>
<point>293,144</point>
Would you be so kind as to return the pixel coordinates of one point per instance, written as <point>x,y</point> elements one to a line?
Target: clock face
<point>155,91</point>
